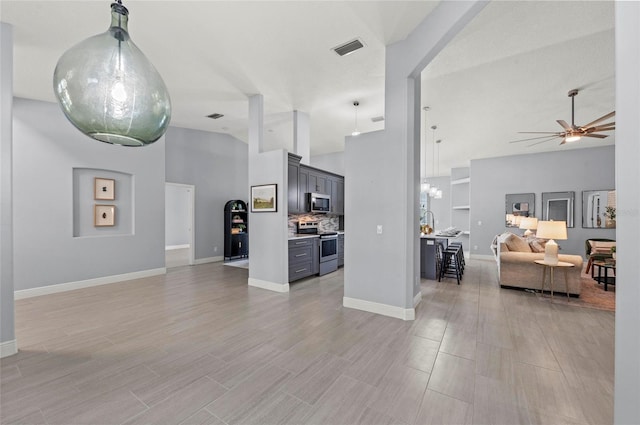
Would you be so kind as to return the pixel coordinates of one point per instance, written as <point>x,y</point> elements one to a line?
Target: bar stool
<point>460,254</point>
<point>451,265</point>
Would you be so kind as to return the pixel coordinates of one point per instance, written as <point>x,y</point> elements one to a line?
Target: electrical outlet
<point>475,247</point>
<point>379,229</point>
<point>479,222</point>
<point>215,249</point>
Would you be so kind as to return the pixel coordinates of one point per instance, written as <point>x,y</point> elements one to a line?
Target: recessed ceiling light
<point>215,116</point>
<point>348,47</point>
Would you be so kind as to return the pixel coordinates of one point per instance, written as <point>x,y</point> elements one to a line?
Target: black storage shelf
<point>236,230</point>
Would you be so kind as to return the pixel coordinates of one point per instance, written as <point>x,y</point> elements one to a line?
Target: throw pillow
<point>537,245</point>
<point>516,243</point>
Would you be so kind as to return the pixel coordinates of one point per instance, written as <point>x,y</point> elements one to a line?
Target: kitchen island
<point>428,253</point>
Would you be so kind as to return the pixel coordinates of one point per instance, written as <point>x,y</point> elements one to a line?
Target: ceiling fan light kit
<point>109,90</point>
<point>573,132</point>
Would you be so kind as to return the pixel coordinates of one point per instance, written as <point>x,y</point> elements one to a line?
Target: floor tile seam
<point>283,391</point>
<point>130,418</point>
<point>471,403</point>
<point>206,409</point>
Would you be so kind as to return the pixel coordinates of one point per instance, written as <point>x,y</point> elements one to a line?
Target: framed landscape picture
<point>104,215</point>
<point>104,189</point>
<point>264,198</point>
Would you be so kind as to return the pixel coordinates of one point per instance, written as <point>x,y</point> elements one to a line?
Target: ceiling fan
<point>573,132</point>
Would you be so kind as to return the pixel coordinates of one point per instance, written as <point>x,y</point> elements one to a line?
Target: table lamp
<point>528,223</point>
<point>552,230</point>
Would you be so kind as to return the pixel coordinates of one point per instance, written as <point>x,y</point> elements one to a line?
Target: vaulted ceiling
<point>509,70</point>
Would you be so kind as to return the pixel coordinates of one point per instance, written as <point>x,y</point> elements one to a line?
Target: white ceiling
<point>508,71</point>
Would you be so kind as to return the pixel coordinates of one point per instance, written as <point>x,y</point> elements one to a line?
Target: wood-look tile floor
<point>198,346</point>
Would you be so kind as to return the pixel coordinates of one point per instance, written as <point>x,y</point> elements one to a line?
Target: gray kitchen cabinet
<point>301,258</point>
<point>318,182</point>
<point>303,180</point>
<point>337,195</point>
<point>293,197</point>
<point>341,250</point>
<point>303,189</point>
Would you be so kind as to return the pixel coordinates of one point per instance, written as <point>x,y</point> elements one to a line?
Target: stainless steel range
<point>328,243</point>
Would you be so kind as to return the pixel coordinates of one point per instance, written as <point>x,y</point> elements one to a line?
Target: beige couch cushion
<point>537,245</point>
<point>517,244</point>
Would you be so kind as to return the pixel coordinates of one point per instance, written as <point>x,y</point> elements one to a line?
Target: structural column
<point>8,345</point>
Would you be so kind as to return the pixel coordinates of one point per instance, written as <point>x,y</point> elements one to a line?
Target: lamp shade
<point>109,90</point>
<point>552,230</point>
<point>529,223</point>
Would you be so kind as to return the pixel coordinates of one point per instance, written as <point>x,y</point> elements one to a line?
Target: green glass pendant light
<point>109,90</point>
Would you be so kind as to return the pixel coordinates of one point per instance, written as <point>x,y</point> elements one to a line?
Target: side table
<point>551,268</point>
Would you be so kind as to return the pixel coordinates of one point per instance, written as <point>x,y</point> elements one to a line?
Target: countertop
<point>299,236</point>
<point>436,236</point>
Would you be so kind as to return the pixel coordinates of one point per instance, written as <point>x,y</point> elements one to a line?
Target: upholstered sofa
<point>516,267</point>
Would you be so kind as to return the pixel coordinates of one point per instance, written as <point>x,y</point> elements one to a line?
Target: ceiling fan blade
<point>534,138</point>
<point>601,128</point>
<point>564,125</point>
<point>604,117</point>
<point>539,132</point>
<point>541,141</point>
<point>598,136</point>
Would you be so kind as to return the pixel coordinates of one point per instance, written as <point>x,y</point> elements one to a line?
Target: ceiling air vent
<point>215,116</point>
<point>377,119</point>
<point>349,47</point>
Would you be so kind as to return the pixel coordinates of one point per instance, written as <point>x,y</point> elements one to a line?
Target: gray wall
<point>575,170</point>
<point>6,198</point>
<point>177,221</point>
<point>46,150</point>
<point>268,246</point>
<point>627,353</point>
<point>216,164</point>
<point>373,260</point>
<point>333,162</point>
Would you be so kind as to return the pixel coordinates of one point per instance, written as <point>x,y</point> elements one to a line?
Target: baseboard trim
<point>8,348</point>
<point>378,308</point>
<point>271,286</point>
<point>417,299</point>
<point>207,260</point>
<point>171,247</point>
<point>483,257</point>
<point>70,286</point>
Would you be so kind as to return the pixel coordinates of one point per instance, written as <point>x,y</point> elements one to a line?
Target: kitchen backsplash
<point>326,222</point>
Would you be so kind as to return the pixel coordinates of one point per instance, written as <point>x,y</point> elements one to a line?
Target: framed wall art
<point>104,189</point>
<point>104,215</point>
<point>264,198</point>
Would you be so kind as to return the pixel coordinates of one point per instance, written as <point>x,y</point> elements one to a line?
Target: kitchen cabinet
<point>293,192</point>
<point>319,183</point>
<point>341,250</point>
<point>236,229</point>
<point>304,258</point>
<point>303,180</point>
<point>337,195</point>
<point>303,184</point>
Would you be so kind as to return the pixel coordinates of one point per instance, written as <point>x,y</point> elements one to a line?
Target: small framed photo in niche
<point>104,189</point>
<point>104,215</point>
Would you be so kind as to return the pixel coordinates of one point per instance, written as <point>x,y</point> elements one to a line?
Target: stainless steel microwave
<point>319,203</point>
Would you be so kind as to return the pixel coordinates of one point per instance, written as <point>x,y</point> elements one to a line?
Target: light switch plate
<point>379,229</point>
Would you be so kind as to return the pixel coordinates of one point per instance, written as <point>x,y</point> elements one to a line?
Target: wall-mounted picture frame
<point>264,198</point>
<point>104,189</point>
<point>104,215</point>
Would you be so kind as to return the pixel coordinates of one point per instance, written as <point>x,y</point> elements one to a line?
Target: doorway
<point>179,224</point>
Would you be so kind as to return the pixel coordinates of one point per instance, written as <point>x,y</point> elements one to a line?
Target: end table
<point>551,267</point>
